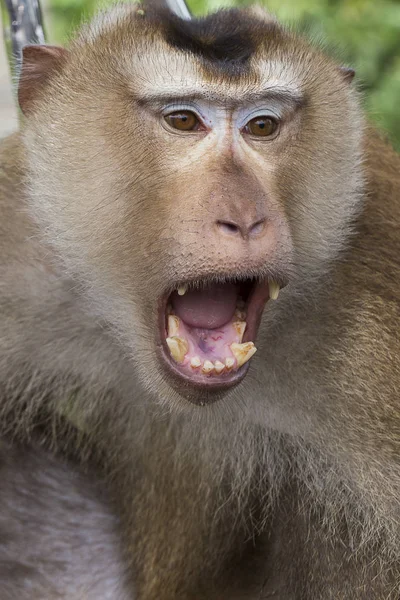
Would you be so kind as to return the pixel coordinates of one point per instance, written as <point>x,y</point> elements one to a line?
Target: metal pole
<point>22,25</point>
<point>179,7</point>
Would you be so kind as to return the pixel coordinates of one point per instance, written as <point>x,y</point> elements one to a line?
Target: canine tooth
<point>243,352</point>
<point>195,362</point>
<point>182,290</point>
<point>219,366</point>
<point>208,367</point>
<point>273,290</point>
<point>178,348</point>
<point>229,363</point>
<point>240,327</point>
<point>173,325</point>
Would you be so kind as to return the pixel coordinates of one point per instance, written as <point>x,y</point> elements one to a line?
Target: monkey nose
<point>241,228</point>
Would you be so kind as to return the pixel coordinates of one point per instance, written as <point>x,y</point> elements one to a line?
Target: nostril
<point>228,227</point>
<point>257,227</point>
<point>244,230</point>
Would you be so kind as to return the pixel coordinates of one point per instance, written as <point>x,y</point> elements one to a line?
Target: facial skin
<point>142,213</point>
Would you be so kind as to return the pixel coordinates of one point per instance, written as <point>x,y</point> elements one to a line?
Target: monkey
<point>58,537</point>
<point>199,295</point>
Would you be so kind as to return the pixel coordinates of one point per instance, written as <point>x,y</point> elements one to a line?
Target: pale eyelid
<point>177,107</point>
<point>259,112</point>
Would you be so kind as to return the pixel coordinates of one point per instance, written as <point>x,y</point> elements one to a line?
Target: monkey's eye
<point>262,126</point>
<point>183,120</point>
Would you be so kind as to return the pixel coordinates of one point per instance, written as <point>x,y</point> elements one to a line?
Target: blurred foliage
<point>362,33</point>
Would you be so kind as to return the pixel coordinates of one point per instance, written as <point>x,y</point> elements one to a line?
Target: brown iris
<point>262,126</point>
<point>183,120</point>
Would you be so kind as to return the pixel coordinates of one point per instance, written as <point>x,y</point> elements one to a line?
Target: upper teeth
<point>182,290</point>
<point>273,290</point>
<point>173,325</point>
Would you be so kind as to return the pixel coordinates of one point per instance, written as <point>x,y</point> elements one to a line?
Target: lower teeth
<point>241,353</point>
<point>178,348</point>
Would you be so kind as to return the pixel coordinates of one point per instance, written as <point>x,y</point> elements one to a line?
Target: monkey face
<point>187,173</point>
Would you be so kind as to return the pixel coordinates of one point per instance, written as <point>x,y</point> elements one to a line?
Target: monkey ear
<point>39,64</point>
<point>347,73</point>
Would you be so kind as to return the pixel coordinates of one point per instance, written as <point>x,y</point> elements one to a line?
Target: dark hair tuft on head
<point>228,37</point>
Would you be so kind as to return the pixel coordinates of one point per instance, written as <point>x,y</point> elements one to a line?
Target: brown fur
<point>58,537</point>
<point>287,487</point>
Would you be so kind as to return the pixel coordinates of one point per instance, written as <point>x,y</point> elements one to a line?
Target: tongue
<point>209,308</point>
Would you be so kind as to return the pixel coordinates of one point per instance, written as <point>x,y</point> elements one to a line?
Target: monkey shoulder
<point>61,538</point>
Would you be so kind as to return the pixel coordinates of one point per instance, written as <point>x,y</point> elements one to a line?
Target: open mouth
<point>208,330</point>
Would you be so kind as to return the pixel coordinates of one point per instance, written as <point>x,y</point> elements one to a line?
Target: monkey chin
<point>207,330</point>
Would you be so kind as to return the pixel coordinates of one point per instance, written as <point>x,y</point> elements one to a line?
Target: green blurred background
<point>364,34</point>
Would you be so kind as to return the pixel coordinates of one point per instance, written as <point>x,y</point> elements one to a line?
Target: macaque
<point>59,538</point>
<point>200,308</point>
